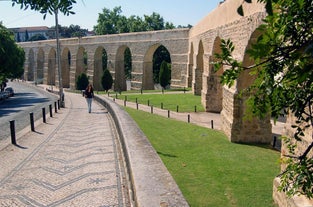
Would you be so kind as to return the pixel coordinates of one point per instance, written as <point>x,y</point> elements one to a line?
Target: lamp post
<point>59,58</point>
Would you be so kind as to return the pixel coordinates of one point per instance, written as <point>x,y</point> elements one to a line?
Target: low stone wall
<point>151,183</point>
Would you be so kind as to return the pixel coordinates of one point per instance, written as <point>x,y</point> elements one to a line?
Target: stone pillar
<point>197,81</point>
<point>212,93</point>
<point>147,81</point>
<point>240,128</point>
<point>73,69</point>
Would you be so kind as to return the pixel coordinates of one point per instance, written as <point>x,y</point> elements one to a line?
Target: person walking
<point>89,95</point>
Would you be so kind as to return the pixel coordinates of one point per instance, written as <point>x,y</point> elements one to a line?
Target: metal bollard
<point>44,115</point>
<point>31,117</point>
<point>137,106</point>
<point>124,102</point>
<point>168,113</point>
<point>161,105</point>
<point>177,108</point>
<point>50,110</point>
<point>274,141</point>
<point>195,108</point>
<point>212,126</point>
<point>12,128</point>
<point>188,118</point>
<point>151,109</point>
<point>55,107</point>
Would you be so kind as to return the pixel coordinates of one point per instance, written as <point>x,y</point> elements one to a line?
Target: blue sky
<point>179,12</point>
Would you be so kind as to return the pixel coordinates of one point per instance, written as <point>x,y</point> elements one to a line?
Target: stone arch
<point>40,66</point>
<point>190,66</point>
<point>198,72</point>
<point>147,82</point>
<point>212,93</point>
<point>100,64</point>
<point>65,67</point>
<point>252,130</point>
<point>120,76</point>
<point>81,62</point>
<point>51,67</point>
<point>31,65</point>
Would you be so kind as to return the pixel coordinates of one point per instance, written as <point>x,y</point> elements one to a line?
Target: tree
<point>82,81</point>
<point>12,57</point>
<point>45,7</point>
<point>108,21</point>
<point>113,22</point>
<point>106,80</point>
<point>165,74</point>
<point>283,69</point>
<point>154,22</point>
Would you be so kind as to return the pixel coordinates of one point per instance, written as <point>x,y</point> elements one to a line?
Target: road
<point>27,99</point>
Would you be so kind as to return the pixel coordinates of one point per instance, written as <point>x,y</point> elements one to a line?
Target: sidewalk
<point>72,160</point>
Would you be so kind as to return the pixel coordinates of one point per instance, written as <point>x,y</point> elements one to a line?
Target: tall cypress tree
<point>165,74</point>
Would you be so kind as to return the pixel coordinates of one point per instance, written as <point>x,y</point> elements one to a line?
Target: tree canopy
<point>45,7</point>
<point>113,22</point>
<point>12,56</point>
<point>283,56</point>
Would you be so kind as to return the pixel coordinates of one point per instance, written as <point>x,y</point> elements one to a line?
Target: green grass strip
<point>184,102</point>
<point>209,169</point>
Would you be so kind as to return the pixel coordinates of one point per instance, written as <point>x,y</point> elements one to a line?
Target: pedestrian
<point>89,96</point>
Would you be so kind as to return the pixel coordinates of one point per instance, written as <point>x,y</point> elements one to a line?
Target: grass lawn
<point>210,170</point>
<point>186,102</point>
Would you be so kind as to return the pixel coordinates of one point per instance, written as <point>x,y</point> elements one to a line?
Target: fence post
<point>12,129</point>
<point>31,117</point>
<point>44,115</point>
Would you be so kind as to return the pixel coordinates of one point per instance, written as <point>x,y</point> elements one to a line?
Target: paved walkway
<point>72,160</point>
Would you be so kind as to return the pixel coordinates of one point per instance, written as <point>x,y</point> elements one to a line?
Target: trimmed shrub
<point>165,74</point>
<point>106,80</point>
<point>82,82</point>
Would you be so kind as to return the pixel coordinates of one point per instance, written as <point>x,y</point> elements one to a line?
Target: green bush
<point>165,75</point>
<point>82,82</point>
<point>106,80</point>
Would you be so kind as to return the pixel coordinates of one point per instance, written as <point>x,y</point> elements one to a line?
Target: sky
<point>178,12</point>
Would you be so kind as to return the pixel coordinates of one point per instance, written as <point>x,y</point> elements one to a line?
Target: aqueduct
<point>191,51</point>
